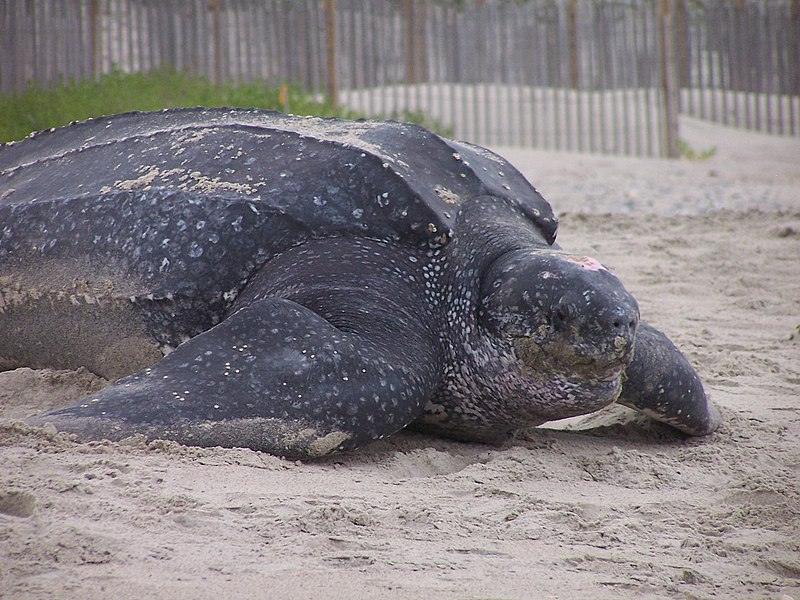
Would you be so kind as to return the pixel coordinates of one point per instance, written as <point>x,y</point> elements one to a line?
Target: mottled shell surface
<point>190,202</point>
<point>382,179</point>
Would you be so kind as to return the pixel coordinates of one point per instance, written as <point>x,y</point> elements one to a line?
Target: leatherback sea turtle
<point>303,285</point>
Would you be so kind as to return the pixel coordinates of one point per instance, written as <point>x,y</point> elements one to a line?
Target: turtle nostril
<point>616,324</point>
<point>632,323</point>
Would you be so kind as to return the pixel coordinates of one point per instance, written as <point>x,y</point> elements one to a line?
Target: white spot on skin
<point>446,195</point>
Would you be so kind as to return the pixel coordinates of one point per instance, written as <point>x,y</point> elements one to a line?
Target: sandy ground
<point>615,507</point>
<point>748,171</point>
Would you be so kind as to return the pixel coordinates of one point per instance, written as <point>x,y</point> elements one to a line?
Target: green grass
<point>689,153</point>
<point>36,108</point>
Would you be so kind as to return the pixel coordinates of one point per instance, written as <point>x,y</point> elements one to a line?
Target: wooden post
<point>572,34</point>
<point>409,50</point>
<point>283,97</point>
<point>94,42</point>
<point>420,18</point>
<point>681,37</point>
<point>330,51</point>
<point>670,85</point>
<point>794,35</point>
<point>216,40</point>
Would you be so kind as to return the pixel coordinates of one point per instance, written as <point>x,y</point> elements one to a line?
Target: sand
<point>614,506</point>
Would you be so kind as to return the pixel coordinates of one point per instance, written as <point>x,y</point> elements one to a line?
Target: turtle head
<point>566,316</point>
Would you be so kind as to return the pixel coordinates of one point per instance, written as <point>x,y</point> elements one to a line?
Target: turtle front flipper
<point>661,383</point>
<point>278,376</point>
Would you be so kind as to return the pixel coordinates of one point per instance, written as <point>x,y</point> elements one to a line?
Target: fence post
<point>408,50</point>
<point>681,37</point>
<point>330,51</point>
<point>794,36</point>
<point>283,97</point>
<point>94,45</point>
<point>670,85</point>
<point>216,40</point>
<point>414,45</point>
<point>572,33</point>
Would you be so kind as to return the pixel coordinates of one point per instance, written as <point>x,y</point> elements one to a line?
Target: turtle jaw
<point>575,380</point>
<point>554,354</point>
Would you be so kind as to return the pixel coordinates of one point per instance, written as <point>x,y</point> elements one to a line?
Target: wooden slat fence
<point>607,76</point>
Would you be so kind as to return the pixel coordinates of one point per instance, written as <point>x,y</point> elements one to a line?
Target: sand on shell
<point>612,506</point>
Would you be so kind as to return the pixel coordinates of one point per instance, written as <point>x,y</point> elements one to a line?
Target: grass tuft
<point>689,153</point>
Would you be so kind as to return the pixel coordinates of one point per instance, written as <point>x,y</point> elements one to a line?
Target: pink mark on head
<point>586,262</point>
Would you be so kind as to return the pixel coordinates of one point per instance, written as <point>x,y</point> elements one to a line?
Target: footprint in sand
<point>17,504</point>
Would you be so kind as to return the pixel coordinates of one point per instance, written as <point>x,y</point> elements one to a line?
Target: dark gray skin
<point>300,286</point>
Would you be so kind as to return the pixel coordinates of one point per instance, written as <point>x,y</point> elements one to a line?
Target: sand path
<point>620,509</point>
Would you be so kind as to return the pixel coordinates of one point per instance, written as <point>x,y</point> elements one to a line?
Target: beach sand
<point>606,506</point>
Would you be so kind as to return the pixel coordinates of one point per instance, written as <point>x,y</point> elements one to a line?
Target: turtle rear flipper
<point>278,376</point>
<point>662,384</point>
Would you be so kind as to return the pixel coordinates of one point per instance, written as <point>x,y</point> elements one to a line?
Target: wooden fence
<point>606,76</point>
